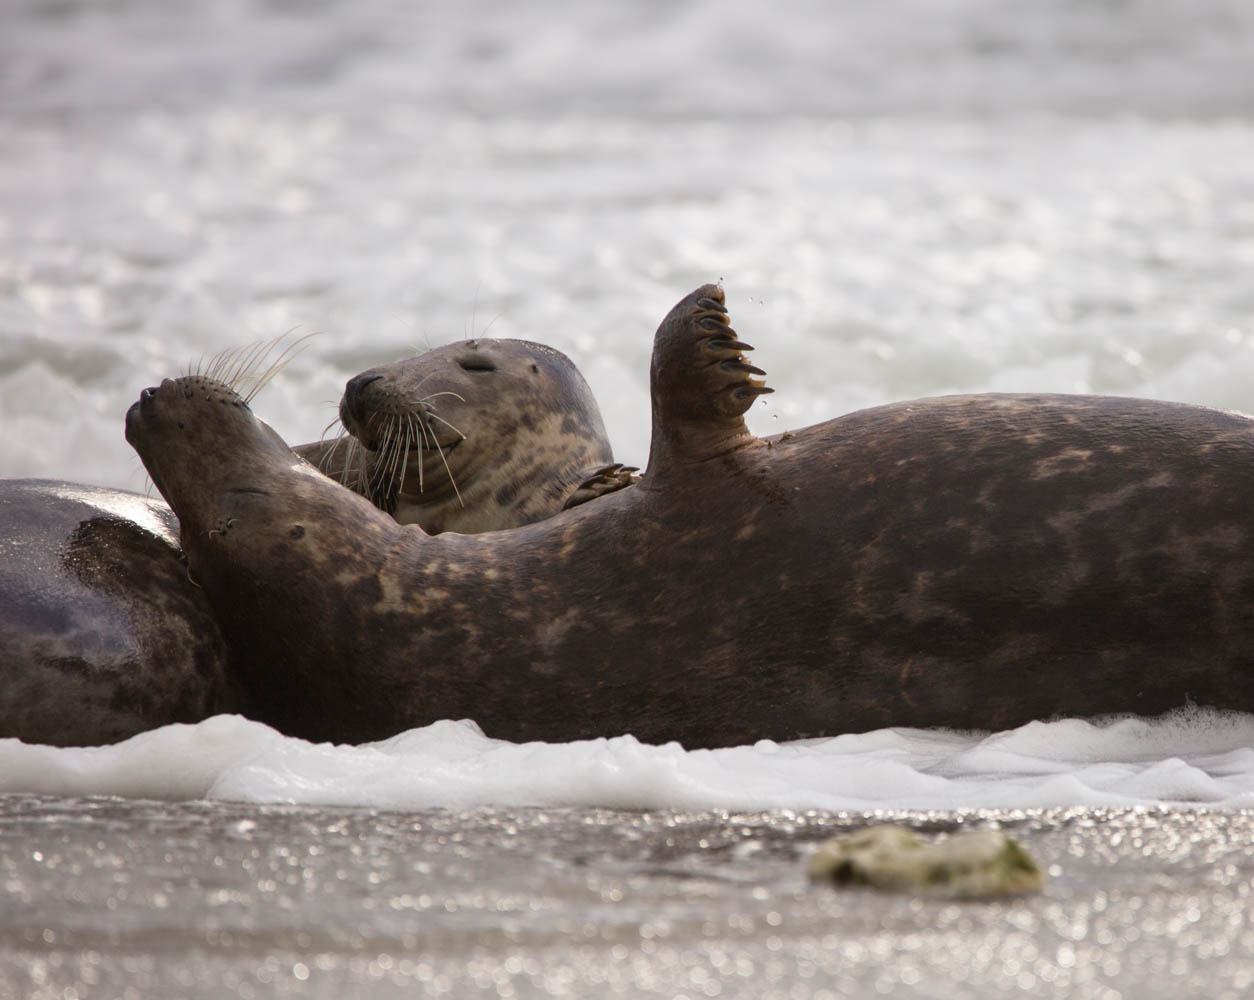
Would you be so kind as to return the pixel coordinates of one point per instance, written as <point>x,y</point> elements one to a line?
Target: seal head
<point>473,436</point>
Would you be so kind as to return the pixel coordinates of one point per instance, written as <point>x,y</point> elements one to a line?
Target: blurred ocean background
<point>902,199</point>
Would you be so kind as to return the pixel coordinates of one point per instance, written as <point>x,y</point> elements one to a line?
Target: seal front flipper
<point>701,382</point>
<point>607,479</point>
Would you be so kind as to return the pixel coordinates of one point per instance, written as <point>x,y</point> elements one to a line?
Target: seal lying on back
<point>103,633</point>
<point>473,436</point>
<point>974,561</point>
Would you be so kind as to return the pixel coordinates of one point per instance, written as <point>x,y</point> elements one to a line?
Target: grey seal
<point>473,436</point>
<point>102,633</point>
<point>972,561</point>
<point>104,630</point>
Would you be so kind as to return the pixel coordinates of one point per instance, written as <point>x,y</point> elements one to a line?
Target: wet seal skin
<point>473,436</point>
<point>967,561</point>
<point>102,635</point>
<point>104,631</point>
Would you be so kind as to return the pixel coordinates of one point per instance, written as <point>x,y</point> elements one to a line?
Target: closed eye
<point>476,365</point>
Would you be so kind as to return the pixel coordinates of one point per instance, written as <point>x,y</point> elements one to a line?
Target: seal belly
<point>1006,558</point>
<point>102,633</point>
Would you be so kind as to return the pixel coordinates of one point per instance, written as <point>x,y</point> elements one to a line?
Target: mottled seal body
<point>102,635</point>
<point>975,562</point>
<point>104,632</point>
<point>472,436</point>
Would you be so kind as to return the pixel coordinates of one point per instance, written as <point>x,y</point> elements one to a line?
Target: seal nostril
<point>358,382</point>
<point>353,390</point>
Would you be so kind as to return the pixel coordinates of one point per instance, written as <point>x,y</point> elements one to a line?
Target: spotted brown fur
<point>102,635</point>
<point>973,561</point>
<point>472,436</point>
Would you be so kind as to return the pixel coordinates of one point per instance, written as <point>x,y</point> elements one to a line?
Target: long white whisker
<point>446,392</point>
<point>360,483</point>
<point>424,380</point>
<point>235,363</point>
<point>415,434</point>
<point>383,452</point>
<point>216,362</point>
<point>342,431</point>
<point>376,461</point>
<point>448,425</point>
<point>450,473</point>
<point>338,447</point>
<point>400,484</point>
<point>489,326</point>
<point>245,360</point>
<point>388,466</point>
<point>396,458</point>
<point>350,452</point>
<point>428,438</point>
<point>285,358</point>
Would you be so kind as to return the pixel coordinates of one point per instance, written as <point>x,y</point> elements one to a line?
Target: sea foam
<point>1195,756</point>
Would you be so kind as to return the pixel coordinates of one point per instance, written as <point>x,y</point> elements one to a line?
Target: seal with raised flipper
<point>472,436</point>
<point>969,561</point>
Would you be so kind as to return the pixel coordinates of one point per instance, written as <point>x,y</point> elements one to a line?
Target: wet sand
<point>105,897</point>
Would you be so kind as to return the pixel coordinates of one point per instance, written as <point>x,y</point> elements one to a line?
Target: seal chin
<point>139,420</point>
<point>141,411</point>
<point>133,420</point>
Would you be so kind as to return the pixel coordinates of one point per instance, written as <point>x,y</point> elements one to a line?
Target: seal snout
<point>148,400</point>
<point>143,409</point>
<point>353,405</point>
